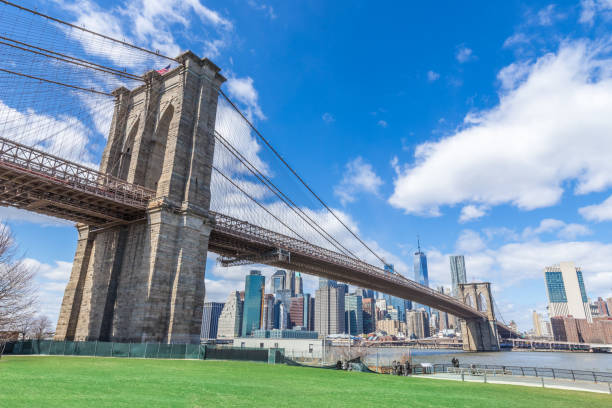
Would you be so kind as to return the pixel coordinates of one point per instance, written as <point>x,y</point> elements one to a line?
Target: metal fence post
<point>112,348</point>
<point>129,348</point>
<point>553,371</point>
<point>573,376</point>
<point>485,377</point>
<point>95,348</point>
<point>158,346</point>
<point>609,387</point>
<point>64,351</point>
<point>522,372</point>
<point>542,378</point>
<point>462,376</point>
<point>595,377</point>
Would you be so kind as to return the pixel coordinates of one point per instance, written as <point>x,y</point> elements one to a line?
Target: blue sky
<point>484,127</point>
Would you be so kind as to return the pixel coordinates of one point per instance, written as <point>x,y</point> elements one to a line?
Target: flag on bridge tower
<point>163,70</point>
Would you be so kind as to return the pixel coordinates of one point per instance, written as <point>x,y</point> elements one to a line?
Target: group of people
<point>397,368</point>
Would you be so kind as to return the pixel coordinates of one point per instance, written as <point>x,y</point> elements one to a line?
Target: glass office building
<point>253,302</point>
<point>458,275</point>
<point>566,292</point>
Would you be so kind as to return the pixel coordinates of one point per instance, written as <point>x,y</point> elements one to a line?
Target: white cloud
<point>472,212</point>
<point>553,127</point>
<point>359,177</point>
<point>149,23</point>
<point>266,8</point>
<point>432,76</point>
<point>382,123</point>
<point>243,91</point>
<point>16,214</point>
<point>591,8</point>
<point>598,212</point>
<point>59,272</point>
<point>560,228</point>
<point>328,117</point>
<point>515,39</point>
<point>464,54</point>
<point>548,15</point>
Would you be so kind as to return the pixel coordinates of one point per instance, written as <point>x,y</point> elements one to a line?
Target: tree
<point>17,290</point>
<point>41,328</point>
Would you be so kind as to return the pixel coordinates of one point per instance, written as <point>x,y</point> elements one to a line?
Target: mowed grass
<point>39,381</point>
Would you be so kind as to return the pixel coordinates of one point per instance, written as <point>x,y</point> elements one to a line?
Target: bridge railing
<point>264,236</point>
<point>59,171</point>
<point>544,372</point>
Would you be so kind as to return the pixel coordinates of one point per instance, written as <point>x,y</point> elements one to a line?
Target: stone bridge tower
<point>479,335</point>
<point>144,281</point>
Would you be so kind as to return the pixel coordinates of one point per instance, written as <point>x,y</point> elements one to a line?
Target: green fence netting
<point>143,350</point>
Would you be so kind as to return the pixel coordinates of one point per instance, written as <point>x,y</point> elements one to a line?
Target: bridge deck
<point>37,181</point>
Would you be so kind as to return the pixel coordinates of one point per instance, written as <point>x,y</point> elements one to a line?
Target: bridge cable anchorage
<point>283,197</point>
<point>157,54</point>
<point>68,59</point>
<point>55,82</point>
<point>298,176</point>
<point>256,202</point>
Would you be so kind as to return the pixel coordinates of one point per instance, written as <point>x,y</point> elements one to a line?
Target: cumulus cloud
<point>149,23</point>
<point>591,8</point>
<point>432,76</point>
<point>472,212</point>
<point>598,212</point>
<point>328,117</point>
<point>359,177</point>
<point>383,123</point>
<point>562,229</point>
<point>242,89</point>
<point>464,54</point>
<point>551,126</point>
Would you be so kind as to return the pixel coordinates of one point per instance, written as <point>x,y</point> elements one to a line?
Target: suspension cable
<point>55,82</point>
<point>298,177</point>
<point>8,3</point>
<point>283,197</point>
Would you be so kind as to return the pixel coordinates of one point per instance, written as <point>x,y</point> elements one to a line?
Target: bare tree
<point>41,328</point>
<point>17,290</point>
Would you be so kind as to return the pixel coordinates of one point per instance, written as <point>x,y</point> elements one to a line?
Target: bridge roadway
<point>40,182</point>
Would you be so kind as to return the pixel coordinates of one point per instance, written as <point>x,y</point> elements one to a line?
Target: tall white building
<point>329,310</point>
<point>230,320</point>
<point>566,292</point>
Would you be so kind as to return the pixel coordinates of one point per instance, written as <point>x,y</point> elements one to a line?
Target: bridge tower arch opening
<point>479,334</point>
<point>143,281</point>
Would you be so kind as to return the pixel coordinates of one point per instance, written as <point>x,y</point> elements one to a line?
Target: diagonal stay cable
<point>283,197</point>
<point>255,201</point>
<point>300,178</point>
<point>55,82</point>
<point>57,20</point>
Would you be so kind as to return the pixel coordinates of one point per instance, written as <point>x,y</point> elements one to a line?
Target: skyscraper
<point>421,275</point>
<point>329,310</point>
<point>267,321</point>
<point>399,304</point>
<point>458,275</point>
<point>253,302</point>
<point>420,266</point>
<point>602,306</point>
<point>369,314</point>
<point>210,319</point>
<point>299,284</point>
<point>278,280</point>
<point>353,314</point>
<point>566,292</point>
<point>230,320</point>
<point>417,324</point>
<point>537,324</point>
<point>290,282</point>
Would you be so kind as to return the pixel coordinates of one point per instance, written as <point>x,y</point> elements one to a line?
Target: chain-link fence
<point>143,350</point>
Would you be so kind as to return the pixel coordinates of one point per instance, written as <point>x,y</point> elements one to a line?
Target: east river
<point>576,361</point>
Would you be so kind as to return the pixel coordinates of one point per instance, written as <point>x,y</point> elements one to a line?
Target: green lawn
<point>117,382</point>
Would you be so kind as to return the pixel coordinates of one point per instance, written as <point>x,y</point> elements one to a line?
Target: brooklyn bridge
<point>182,174</point>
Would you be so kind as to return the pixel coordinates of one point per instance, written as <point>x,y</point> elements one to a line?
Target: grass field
<point>116,382</point>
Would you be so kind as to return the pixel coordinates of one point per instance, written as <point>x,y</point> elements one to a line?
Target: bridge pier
<point>479,334</point>
<point>144,281</point>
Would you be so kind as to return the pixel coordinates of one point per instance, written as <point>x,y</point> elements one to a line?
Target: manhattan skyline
<point>430,146</point>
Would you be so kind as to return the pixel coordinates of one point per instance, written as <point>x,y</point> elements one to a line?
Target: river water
<point>576,361</point>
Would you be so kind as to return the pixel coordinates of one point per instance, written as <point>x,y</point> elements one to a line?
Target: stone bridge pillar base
<point>479,335</point>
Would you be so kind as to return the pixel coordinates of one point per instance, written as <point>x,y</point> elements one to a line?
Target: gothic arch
<point>158,149</point>
<point>126,151</point>
<point>482,303</point>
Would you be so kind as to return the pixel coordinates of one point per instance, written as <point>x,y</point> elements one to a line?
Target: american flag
<point>163,70</point>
